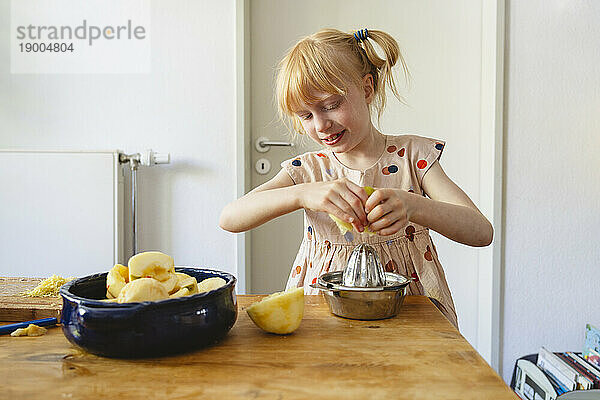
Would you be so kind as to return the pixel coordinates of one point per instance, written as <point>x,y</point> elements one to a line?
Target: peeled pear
<point>181,292</point>
<point>143,289</point>
<point>280,312</point>
<point>151,264</point>
<point>117,278</point>
<point>344,226</point>
<point>170,283</point>
<point>206,285</point>
<point>186,281</point>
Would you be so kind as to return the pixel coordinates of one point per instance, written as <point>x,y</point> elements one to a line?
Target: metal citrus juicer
<point>363,290</point>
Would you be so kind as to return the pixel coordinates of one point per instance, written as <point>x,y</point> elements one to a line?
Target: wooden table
<point>418,354</point>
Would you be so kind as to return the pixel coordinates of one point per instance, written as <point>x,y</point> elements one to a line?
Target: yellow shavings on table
<point>31,330</point>
<point>48,287</point>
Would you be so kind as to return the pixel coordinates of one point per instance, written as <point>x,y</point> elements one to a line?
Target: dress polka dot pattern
<point>410,252</point>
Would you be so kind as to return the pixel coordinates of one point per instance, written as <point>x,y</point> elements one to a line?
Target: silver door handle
<point>263,144</point>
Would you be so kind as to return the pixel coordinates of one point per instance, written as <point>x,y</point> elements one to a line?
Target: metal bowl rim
<point>331,279</point>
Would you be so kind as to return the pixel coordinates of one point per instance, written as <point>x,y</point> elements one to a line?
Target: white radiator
<point>61,212</point>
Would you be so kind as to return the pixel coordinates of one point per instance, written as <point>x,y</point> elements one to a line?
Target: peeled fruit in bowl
<point>116,279</point>
<point>206,285</point>
<point>344,226</point>
<point>187,282</point>
<point>143,289</point>
<point>170,283</point>
<point>279,312</point>
<point>151,264</point>
<point>181,292</point>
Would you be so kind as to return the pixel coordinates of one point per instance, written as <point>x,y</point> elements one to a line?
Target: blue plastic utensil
<point>39,322</point>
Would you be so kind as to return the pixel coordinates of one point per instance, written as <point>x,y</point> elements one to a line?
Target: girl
<point>328,85</point>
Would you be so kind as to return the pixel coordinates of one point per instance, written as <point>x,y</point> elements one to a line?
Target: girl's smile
<point>333,139</point>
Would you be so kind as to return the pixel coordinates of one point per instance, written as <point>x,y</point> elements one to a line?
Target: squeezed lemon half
<point>344,226</point>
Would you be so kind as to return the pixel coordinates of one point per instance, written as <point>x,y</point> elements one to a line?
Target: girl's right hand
<point>341,198</point>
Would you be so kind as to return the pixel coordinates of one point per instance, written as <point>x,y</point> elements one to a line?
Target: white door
<point>442,44</point>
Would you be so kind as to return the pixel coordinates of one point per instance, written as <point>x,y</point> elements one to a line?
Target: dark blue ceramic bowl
<point>147,329</point>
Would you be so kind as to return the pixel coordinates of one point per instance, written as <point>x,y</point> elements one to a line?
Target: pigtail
<point>382,68</point>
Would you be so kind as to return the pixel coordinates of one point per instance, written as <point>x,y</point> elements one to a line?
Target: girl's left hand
<point>388,210</point>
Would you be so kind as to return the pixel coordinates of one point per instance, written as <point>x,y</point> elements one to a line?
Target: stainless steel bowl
<point>366,303</point>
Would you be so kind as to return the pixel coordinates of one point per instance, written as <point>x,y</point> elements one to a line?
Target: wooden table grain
<point>415,355</point>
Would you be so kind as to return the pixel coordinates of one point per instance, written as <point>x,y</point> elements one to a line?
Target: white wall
<point>552,176</point>
<point>186,106</point>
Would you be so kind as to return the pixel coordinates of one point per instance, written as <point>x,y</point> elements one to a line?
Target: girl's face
<point>338,122</point>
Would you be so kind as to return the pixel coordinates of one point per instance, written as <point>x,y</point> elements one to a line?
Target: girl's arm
<point>280,196</point>
<point>270,200</point>
<point>448,211</point>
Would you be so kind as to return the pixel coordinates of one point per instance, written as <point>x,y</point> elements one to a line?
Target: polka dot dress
<point>410,252</point>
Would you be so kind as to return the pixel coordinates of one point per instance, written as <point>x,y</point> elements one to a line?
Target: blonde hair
<point>327,61</point>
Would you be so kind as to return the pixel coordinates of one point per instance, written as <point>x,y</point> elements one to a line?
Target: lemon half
<point>344,226</point>
<point>279,312</point>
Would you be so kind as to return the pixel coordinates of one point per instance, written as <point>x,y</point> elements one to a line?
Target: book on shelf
<point>568,371</point>
<point>554,366</point>
<point>558,387</point>
<point>593,357</point>
<point>591,347</point>
<point>593,371</point>
<point>585,380</point>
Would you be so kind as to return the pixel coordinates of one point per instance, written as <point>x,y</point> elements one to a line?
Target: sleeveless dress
<point>409,252</point>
